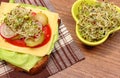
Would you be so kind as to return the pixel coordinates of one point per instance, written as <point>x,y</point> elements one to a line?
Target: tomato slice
<point>21,43</point>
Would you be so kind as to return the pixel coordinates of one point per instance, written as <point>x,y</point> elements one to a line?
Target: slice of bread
<point>36,69</point>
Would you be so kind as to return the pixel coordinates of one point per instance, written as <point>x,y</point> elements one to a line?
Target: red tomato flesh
<point>21,43</point>
<point>33,13</point>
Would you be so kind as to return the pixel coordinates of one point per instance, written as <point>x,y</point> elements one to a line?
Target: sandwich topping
<point>25,28</point>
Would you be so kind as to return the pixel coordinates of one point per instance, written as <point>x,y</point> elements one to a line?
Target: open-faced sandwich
<point>27,36</point>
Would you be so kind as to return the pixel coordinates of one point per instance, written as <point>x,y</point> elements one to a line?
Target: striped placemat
<point>65,53</point>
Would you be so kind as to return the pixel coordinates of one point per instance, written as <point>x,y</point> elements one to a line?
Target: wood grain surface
<point>101,61</point>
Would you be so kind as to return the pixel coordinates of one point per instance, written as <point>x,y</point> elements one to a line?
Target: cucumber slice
<point>42,18</point>
<point>17,37</point>
<point>32,42</point>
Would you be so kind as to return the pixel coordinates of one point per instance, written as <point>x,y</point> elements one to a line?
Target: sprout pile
<point>96,21</point>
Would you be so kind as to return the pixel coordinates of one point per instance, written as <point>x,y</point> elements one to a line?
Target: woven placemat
<point>65,53</point>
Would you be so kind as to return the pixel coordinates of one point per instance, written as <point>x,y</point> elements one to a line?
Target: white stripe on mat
<point>4,69</point>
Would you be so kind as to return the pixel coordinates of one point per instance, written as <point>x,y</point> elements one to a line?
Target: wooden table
<point>102,61</point>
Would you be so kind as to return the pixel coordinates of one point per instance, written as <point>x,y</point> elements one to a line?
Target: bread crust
<point>34,70</point>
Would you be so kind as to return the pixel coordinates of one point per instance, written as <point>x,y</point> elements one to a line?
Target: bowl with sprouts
<point>95,20</point>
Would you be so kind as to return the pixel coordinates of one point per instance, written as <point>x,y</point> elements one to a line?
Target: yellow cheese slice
<point>41,51</point>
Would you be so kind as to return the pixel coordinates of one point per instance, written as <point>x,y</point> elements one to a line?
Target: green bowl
<point>74,11</point>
